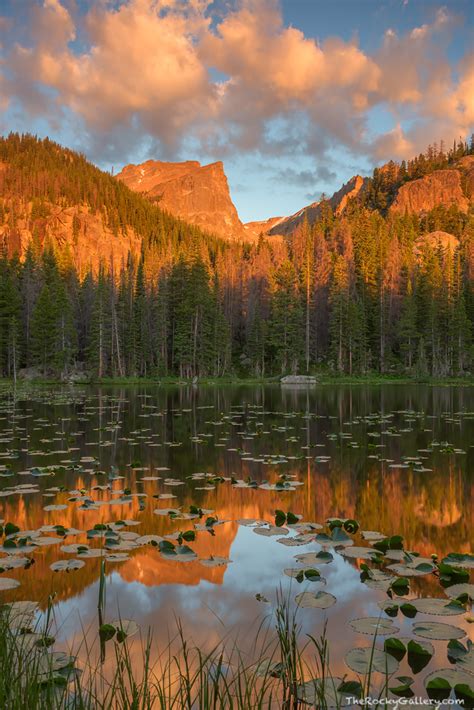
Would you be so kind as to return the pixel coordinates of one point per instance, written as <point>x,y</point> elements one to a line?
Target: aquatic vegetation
<point>248,484</point>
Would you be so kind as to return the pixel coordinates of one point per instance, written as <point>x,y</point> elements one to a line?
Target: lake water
<point>397,459</point>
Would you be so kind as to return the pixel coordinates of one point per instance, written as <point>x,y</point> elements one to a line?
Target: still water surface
<point>398,459</point>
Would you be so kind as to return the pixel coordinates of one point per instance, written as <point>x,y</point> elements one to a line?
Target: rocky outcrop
<point>198,194</point>
<point>436,240</point>
<point>443,187</point>
<point>338,202</point>
<point>76,234</point>
<point>340,199</point>
<point>298,381</point>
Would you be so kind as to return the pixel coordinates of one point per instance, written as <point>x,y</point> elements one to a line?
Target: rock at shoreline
<point>305,380</point>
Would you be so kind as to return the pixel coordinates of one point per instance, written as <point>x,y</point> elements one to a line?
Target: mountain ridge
<point>200,195</point>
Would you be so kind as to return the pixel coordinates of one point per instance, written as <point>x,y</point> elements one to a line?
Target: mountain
<point>52,196</point>
<point>261,227</point>
<point>107,282</point>
<point>197,193</point>
<point>447,187</point>
<point>338,202</point>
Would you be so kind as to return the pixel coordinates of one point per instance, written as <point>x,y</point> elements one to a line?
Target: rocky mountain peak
<point>196,193</point>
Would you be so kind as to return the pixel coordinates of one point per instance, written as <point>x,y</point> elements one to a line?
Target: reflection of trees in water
<point>432,510</point>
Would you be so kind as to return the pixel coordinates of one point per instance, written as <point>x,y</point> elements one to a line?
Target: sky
<point>294,96</point>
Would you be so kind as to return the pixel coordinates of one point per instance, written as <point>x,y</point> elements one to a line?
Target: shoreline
<point>321,380</point>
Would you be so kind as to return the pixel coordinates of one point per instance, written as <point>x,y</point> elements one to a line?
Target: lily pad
<point>8,583</point>
<point>215,561</point>
<point>314,692</point>
<point>314,558</point>
<point>270,531</point>
<point>438,607</point>
<point>128,627</point>
<point>456,590</point>
<point>315,600</point>
<point>456,559</point>
<point>363,660</point>
<point>439,683</point>
<point>373,625</point>
<point>20,614</point>
<point>66,565</point>
<point>310,574</point>
<point>361,553</point>
<point>437,630</point>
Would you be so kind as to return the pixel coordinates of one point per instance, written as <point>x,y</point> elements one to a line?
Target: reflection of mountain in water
<point>394,502</point>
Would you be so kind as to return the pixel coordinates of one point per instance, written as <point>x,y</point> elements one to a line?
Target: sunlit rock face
<point>436,240</point>
<point>77,235</point>
<point>443,187</point>
<point>197,193</point>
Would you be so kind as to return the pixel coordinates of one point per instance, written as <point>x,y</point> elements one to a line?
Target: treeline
<point>355,295</point>
<point>358,293</point>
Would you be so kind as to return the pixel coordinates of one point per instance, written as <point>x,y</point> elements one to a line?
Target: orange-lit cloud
<point>166,69</point>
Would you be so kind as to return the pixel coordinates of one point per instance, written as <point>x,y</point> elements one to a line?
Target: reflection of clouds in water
<point>257,567</point>
<point>212,602</point>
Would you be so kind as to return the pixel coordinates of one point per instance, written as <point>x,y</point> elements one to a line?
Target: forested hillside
<point>367,290</point>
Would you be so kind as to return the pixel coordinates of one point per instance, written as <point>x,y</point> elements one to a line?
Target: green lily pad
<point>215,561</point>
<point>456,590</point>
<point>125,627</point>
<point>461,655</point>
<point>439,683</point>
<point>314,558</point>
<point>403,689</point>
<point>412,569</point>
<point>456,559</point>
<point>361,553</point>
<point>270,531</point>
<point>310,574</point>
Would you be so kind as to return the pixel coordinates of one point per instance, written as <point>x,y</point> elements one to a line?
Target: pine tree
<point>407,326</point>
<point>286,327</point>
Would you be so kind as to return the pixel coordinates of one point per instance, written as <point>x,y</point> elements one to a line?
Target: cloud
<point>304,178</point>
<point>420,83</point>
<point>174,72</point>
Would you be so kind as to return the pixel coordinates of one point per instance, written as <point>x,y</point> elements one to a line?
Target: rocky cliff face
<point>196,193</point>
<point>443,187</point>
<point>76,234</point>
<point>338,202</point>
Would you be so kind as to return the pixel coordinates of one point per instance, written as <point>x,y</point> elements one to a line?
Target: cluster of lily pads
<point>387,567</point>
<point>384,564</point>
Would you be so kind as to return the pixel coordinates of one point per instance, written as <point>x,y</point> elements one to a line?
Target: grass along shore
<point>122,669</point>
<point>234,380</point>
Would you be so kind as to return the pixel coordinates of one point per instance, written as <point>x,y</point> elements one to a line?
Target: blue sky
<point>295,97</point>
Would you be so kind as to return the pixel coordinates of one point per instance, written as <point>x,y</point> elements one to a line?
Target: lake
<point>397,459</point>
